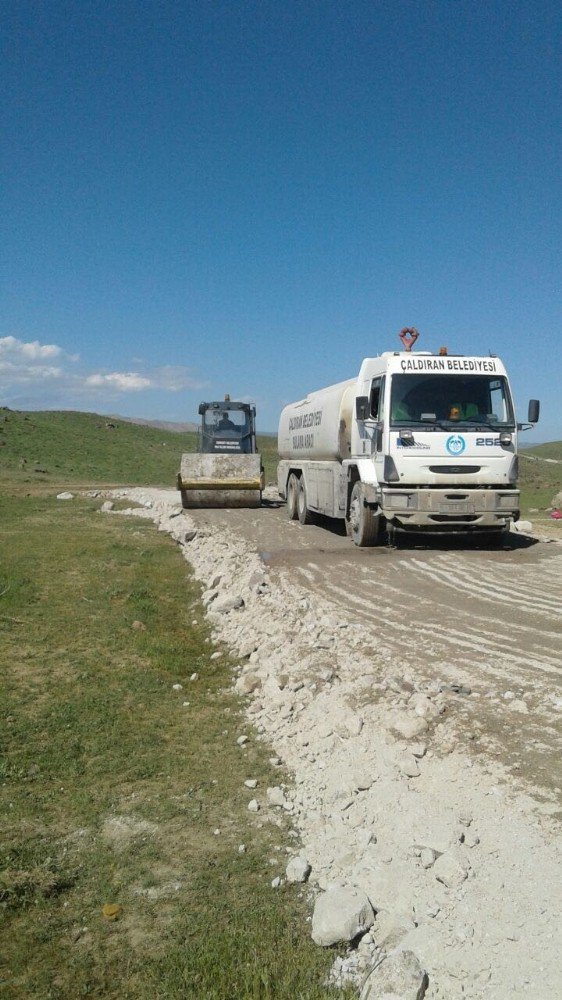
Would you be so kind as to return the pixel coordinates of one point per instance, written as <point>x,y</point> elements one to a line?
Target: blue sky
<point>251,197</point>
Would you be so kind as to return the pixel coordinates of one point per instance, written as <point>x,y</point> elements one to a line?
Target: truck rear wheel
<point>363,525</point>
<point>304,514</point>
<point>293,497</point>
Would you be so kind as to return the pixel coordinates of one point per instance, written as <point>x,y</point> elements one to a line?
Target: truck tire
<point>292,497</point>
<point>304,514</point>
<point>363,525</point>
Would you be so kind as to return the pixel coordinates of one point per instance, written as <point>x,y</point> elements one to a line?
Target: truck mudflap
<point>443,510</point>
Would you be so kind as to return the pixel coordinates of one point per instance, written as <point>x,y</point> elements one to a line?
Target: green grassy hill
<point>540,479</point>
<point>71,447</point>
<point>551,450</point>
<point>68,446</point>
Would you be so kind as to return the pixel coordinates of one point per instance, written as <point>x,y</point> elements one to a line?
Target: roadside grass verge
<point>111,788</point>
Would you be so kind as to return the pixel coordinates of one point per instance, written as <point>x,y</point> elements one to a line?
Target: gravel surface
<point>413,695</point>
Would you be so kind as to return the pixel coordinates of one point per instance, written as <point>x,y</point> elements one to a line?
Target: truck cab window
<point>376,399</point>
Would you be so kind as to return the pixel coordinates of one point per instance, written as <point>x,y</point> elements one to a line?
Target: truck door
<point>377,413</point>
<point>377,404</point>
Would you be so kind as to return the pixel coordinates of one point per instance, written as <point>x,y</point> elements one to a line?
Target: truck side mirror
<point>362,410</point>
<point>201,409</point>
<point>534,410</point>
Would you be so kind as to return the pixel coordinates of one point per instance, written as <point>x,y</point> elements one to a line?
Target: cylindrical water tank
<point>318,427</point>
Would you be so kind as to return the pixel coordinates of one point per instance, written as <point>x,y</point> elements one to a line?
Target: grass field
<point>111,787</point>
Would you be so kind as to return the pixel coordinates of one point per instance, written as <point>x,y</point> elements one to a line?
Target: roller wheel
<point>304,514</point>
<point>363,525</point>
<point>293,497</point>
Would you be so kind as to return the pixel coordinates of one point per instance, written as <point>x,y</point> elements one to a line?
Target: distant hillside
<point>68,446</point>
<point>163,425</point>
<point>552,450</point>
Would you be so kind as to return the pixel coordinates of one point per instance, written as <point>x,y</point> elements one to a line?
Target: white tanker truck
<point>417,442</point>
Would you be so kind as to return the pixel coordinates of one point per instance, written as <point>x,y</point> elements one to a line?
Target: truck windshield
<point>437,400</point>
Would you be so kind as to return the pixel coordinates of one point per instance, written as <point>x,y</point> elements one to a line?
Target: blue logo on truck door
<point>455,444</point>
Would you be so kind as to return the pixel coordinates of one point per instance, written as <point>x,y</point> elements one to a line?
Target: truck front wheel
<point>292,497</point>
<point>363,525</point>
<point>305,515</point>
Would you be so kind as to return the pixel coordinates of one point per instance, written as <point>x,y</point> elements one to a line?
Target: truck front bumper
<point>450,509</point>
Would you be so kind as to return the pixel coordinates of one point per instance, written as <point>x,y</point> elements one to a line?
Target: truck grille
<point>455,470</point>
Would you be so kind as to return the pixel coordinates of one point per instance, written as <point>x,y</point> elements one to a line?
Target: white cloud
<point>29,378</point>
<point>123,381</point>
<point>32,351</point>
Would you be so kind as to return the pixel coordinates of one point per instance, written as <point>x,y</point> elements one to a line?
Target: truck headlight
<point>506,501</point>
<point>401,501</point>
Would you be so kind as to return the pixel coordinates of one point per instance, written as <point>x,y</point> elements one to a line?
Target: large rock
<point>398,977</point>
<point>340,915</point>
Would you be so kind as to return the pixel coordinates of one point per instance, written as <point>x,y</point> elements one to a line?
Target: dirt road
<point>411,694</point>
<point>487,619</point>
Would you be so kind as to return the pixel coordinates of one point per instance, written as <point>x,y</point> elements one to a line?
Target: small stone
<point>241,848</point>
<point>409,726</point>
<point>253,806</point>
<point>275,761</point>
<point>340,915</point>
<point>138,626</point>
<point>298,870</point>
<point>216,832</point>
<point>423,706</point>
<point>398,977</point>
<point>418,749</point>
<point>409,767</point>
<point>242,740</point>
<point>107,506</point>
<point>451,870</point>
<point>276,882</point>
<point>247,683</point>
<point>177,687</point>
<point>276,796</point>
<point>65,496</point>
<point>223,605</point>
<point>215,656</point>
<point>194,677</point>
<point>250,782</point>
<point>427,857</point>
<point>471,840</point>
<point>190,535</point>
<point>518,706</point>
